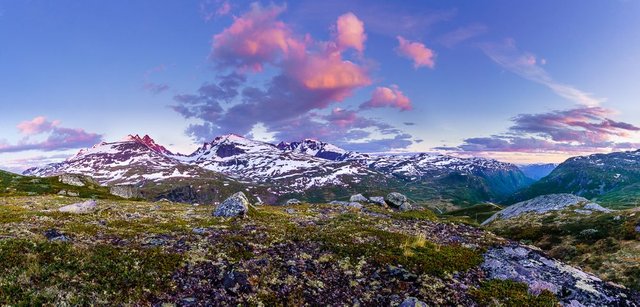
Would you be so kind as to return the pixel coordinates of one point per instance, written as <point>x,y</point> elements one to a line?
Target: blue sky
<point>518,81</point>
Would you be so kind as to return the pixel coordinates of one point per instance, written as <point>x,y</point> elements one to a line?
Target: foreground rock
<point>359,198</point>
<point>378,200</point>
<point>293,202</point>
<point>236,205</point>
<point>571,286</point>
<point>546,203</point>
<point>80,208</point>
<point>351,204</point>
<point>398,201</point>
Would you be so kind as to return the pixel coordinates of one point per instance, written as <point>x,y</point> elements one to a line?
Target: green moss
<point>11,214</point>
<point>415,215</point>
<point>35,273</point>
<point>510,293</point>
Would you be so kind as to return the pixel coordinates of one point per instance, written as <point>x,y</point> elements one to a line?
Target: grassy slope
<point>17,185</point>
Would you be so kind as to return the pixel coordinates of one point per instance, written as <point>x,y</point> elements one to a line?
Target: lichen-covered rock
<point>236,205</point>
<point>396,200</point>
<point>570,285</point>
<point>412,302</point>
<point>352,204</point>
<point>125,191</point>
<point>80,208</point>
<point>546,203</point>
<point>359,198</point>
<point>71,179</point>
<point>293,201</point>
<point>378,200</point>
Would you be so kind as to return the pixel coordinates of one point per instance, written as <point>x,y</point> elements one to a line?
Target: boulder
<point>378,200</point>
<point>397,200</point>
<point>293,201</point>
<point>351,204</point>
<point>125,191</point>
<point>236,205</point>
<point>359,198</point>
<point>80,208</point>
<point>412,302</point>
<point>571,286</point>
<point>71,179</point>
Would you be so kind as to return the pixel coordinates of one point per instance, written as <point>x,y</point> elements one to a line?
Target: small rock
<point>62,192</point>
<point>80,208</point>
<point>638,228</point>
<point>401,273</point>
<point>378,200</point>
<point>236,282</point>
<point>397,200</point>
<point>293,201</point>
<point>412,302</point>
<point>359,198</point>
<point>199,231</point>
<point>290,211</point>
<point>55,235</point>
<point>236,205</point>
<point>406,207</point>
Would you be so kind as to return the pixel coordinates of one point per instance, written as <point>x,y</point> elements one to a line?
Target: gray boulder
<point>358,198</point>
<point>236,205</point>
<point>125,191</point>
<point>351,204</point>
<point>397,200</point>
<point>571,286</point>
<point>293,201</point>
<point>80,208</point>
<point>70,179</point>
<point>378,200</point>
<point>546,203</point>
<point>412,302</point>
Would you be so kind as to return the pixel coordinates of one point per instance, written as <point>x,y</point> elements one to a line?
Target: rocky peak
<point>146,140</point>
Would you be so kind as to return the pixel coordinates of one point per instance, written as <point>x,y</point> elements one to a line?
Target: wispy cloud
<point>154,87</point>
<point>527,65</point>
<point>57,137</point>
<point>459,35</point>
<point>579,130</point>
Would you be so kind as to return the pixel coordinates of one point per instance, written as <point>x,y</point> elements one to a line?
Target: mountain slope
<point>603,177</point>
<point>537,171</point>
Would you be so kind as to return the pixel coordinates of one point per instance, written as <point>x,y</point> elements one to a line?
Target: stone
<point>396,200</point>
<point>55,235</point>
<point>359,198</point>
<point>293,201</point>
<point>71,179</point>
<point>80,208</point>
<point>236,205</point>
<point>125,191</point>
<point>412,302</point>
<point>236,282</point>
<point>406,207</point>
<point>378,200</point>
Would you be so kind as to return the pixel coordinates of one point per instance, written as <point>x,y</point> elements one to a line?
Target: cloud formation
<point>298,100</point>
<point>417,52</point>
<point>527,65</point>
<point>388,97</point>
<point>579,130</point>
<point>58,138</point>
<point>459,35</point>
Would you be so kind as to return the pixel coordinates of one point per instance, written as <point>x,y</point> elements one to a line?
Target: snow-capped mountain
<point>132,160</point>
<point>294,167</point>
<point>320,149</point>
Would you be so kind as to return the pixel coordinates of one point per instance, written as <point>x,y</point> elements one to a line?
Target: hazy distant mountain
<point>610,178</point>
<point>537,171</point>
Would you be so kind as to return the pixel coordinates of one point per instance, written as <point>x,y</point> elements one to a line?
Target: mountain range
<point>308,169</point>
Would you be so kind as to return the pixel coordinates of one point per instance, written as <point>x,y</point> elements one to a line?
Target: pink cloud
<point>255,38</point>
<point>59,138</point>
<point>388,97</point>
<point>418,52</point>
<point>350,32</point>
<point>37,125</point>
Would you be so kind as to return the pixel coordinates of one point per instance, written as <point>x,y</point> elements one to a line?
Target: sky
<point>518,81</point>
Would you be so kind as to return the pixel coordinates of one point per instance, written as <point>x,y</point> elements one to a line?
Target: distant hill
<point>537,171</point>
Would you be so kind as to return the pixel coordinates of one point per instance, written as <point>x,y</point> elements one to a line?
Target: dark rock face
<point>236,205</point>
<point>56,235</point>
<point>570,285</point>
<point>228,150</point>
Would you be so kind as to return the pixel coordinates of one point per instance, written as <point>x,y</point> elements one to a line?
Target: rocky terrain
<point>308,169</point>
<point>61,250</point>
<point>613,180</point>
<point>601,241</point>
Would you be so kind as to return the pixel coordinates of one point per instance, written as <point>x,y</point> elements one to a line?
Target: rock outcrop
<point>236,205</point>
<point>70,179</point>
<point>571,286</point>
<point>359,198</point>
<point>546,203</point>
<point>80,208</point>
<point>398,201</point>
<point>125,191</point>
